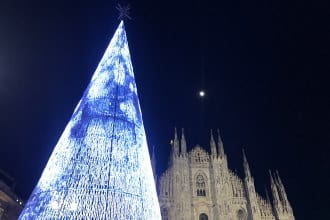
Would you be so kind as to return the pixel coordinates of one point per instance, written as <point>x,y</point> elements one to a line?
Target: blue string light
<point>100,167</point>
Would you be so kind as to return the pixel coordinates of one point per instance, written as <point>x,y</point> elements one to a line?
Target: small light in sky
<point>201,93</point>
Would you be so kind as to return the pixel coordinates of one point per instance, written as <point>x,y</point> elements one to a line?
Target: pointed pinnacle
<point>267,195</point>
<point>246,166</point>
<point>220,145</point>
<point>244,156</point>
<point>271,177</point>
<point>219,136</point>
<point>183,139</point>
<point>278,177</point>
<point>175,134</point>
<point>212,138</point>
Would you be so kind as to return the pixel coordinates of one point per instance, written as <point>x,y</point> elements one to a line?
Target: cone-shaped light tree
<point>100,167</point>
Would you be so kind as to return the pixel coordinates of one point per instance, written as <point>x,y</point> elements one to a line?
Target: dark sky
<point>263,64</point>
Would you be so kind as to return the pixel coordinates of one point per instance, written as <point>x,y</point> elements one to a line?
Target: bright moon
<point>201,93</point>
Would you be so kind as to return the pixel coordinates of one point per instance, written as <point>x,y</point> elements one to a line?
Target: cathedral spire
<point>246,166</point>
<point>183,144</point>
<point>213,146</point>
<point>175,144</point>
<point>281,189</point>
<point>250,189</point>
<point>221,150</point>
<point>280,185</point>
<point>275,193</point>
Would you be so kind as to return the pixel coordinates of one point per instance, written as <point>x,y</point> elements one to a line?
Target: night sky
<point>264,66</point>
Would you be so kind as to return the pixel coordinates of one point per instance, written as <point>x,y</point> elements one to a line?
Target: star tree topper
<point>123,12</point>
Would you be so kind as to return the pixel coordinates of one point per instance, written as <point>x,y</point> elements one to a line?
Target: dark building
<point>10,204</point>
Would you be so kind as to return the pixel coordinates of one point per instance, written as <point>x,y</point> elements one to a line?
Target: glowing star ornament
<point>100,167</point>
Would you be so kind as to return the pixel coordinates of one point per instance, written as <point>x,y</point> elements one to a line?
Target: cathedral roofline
<point>201,178</point>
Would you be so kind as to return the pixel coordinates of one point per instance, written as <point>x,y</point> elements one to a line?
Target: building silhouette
<point>11,204</point>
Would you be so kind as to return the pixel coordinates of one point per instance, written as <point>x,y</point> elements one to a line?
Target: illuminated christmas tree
<point>100,167</point>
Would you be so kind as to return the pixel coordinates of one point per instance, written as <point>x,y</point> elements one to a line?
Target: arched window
<point>240,215</point>
<point>203,216</point>
<point>200,185</point>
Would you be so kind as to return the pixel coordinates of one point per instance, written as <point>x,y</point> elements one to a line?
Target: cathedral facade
<point>199,186</point>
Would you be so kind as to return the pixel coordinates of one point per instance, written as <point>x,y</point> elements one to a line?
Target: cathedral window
<point>203,216</point>
<point>240,215</point>
<point>200,185</point>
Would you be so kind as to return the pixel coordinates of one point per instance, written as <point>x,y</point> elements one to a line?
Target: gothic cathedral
<point>199,186</point>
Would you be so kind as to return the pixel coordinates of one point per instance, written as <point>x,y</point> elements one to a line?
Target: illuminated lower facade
<point>100,167</point>
<point>199,186</point>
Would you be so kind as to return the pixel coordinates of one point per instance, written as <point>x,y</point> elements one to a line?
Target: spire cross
<point>123,12</point>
